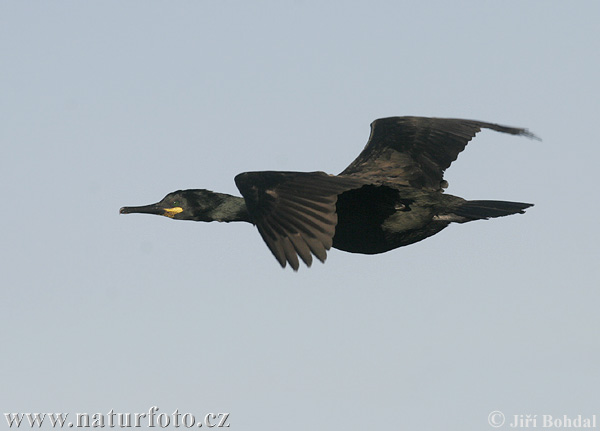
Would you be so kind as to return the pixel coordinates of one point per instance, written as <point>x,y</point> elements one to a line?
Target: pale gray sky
<point>111,103</point>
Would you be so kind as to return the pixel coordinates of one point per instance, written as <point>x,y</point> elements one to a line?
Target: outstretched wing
<point>294,211</point>
<point>415,151</point>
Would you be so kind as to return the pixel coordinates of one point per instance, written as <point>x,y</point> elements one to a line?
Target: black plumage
<point>390,196</point>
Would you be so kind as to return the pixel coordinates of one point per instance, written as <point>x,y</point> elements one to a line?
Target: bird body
<point>389,197</point>
<point>376,219</point>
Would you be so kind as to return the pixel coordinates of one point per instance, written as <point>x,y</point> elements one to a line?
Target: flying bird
<point>392,195</point>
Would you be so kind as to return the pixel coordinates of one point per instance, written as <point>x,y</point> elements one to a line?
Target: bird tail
<point>483,210</point>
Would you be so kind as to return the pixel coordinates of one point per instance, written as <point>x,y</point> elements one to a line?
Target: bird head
<point>194,204</point>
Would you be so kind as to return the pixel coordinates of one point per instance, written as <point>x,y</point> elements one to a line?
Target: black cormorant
<point>390,196</point>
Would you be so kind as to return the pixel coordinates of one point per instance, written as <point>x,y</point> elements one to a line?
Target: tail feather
<point>481,210</point>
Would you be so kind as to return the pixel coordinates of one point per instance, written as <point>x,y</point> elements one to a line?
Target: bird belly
<point>399,229</point>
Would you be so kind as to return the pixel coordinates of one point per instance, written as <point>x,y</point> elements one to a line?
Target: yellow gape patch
<point>170,212</point>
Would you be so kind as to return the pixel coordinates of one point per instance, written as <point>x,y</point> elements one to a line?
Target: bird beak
<point>145,209</point>
<point>152,209</point>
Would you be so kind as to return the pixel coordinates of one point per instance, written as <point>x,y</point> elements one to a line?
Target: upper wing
<point>415,151</point>
<point>294,211</point>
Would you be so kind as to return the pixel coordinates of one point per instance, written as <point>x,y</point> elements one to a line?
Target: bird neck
<point>231,208</point>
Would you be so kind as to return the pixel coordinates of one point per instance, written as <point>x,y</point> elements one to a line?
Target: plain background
<point>111,103</point>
